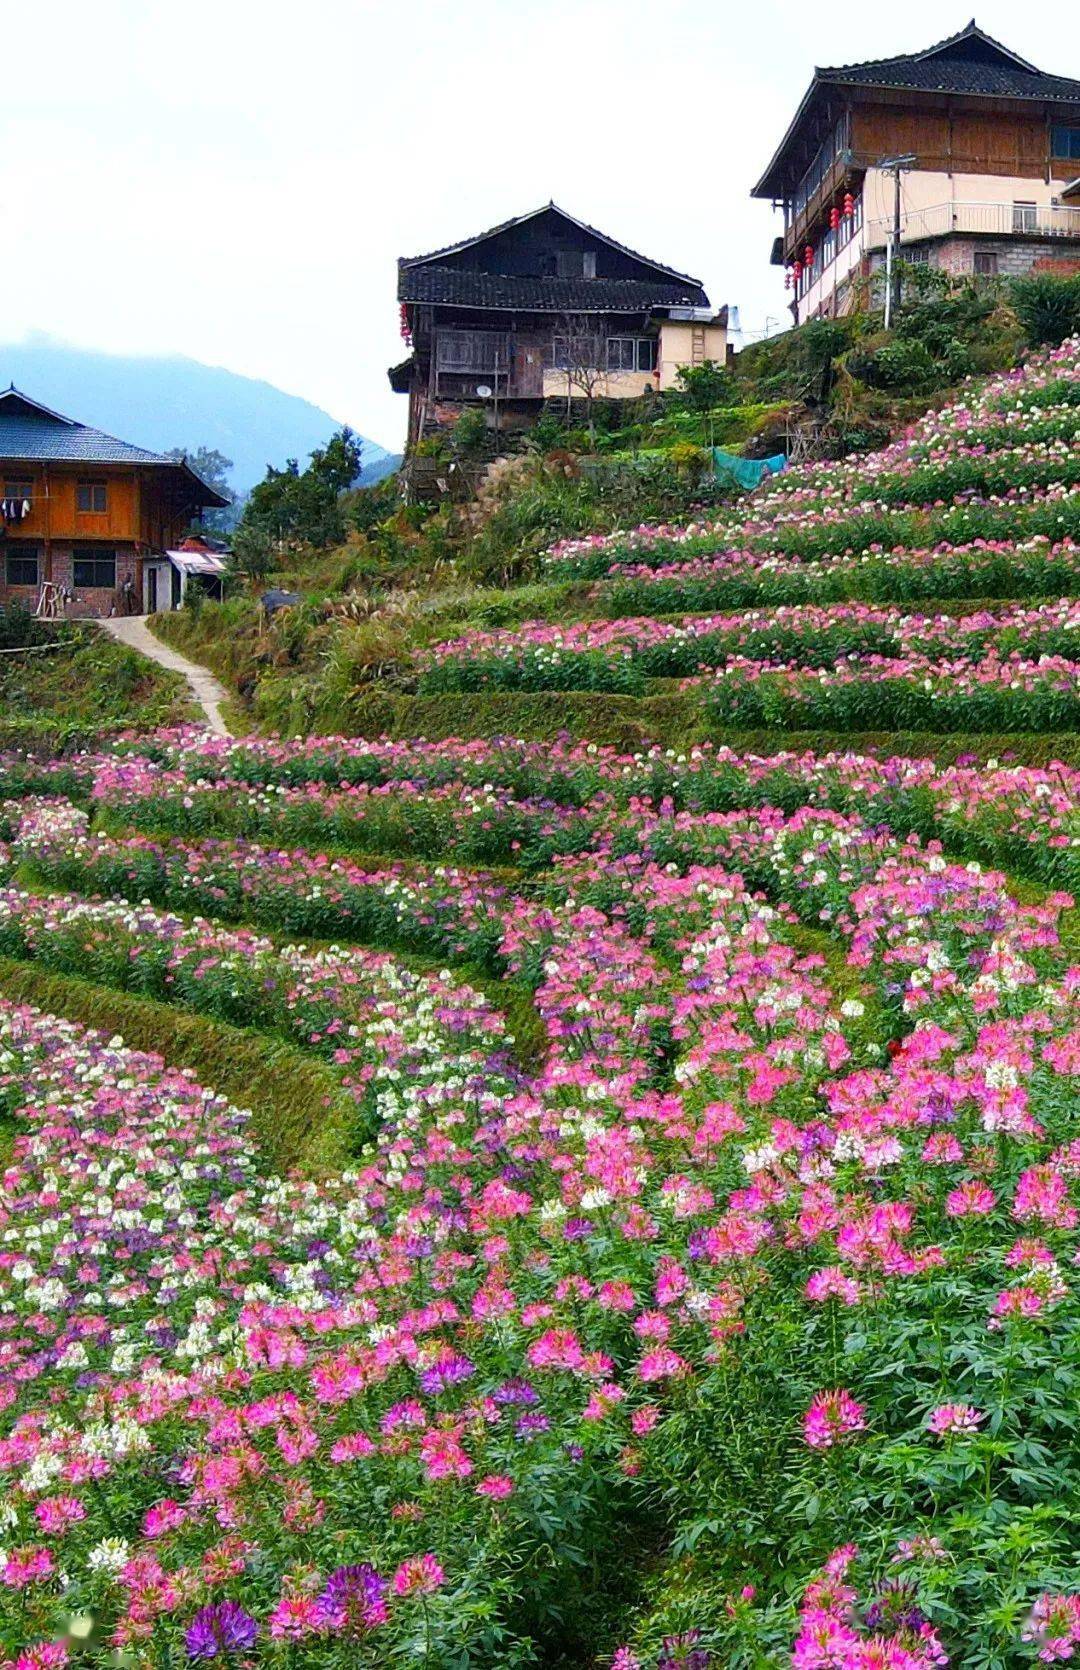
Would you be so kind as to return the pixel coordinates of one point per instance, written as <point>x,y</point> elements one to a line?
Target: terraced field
<point>601,1206</point>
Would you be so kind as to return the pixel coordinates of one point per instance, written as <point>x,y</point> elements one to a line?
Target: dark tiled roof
<point>31,433</point>
<point>457,287</point>
<point>32,437</point>
<point>970,63</point>
<point>547,208</point>
<point>952,75</point>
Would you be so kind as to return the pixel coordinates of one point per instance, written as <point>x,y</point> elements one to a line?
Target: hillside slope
<point>163,402</point>
<point>656,1245</point>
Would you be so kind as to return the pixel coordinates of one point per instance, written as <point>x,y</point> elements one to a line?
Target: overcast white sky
<point>234,179</point>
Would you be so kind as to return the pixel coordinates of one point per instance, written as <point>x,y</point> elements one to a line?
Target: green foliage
<point>470,436</point>
<point>91,683</point>
<point>19,629</point>
<point>1048,307</point>
<point>294,507</point>
<point>701,387</point>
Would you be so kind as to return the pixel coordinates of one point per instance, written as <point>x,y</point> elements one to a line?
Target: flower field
<point>695,1279</point>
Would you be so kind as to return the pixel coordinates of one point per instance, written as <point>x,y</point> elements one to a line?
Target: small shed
<point>165,578</point>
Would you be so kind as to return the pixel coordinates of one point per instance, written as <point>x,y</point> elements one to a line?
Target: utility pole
<point>893,165</point>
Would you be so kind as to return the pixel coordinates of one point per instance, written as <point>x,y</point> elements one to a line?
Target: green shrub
<point>1048,307</point>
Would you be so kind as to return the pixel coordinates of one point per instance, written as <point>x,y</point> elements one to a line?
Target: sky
<point>235,180</point>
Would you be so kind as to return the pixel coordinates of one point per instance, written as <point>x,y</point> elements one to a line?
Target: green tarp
<point>747,473</point>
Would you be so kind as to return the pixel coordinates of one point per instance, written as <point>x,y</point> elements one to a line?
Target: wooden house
<point>505,319</point>
<point>82,514</point>
<point>994,148</point>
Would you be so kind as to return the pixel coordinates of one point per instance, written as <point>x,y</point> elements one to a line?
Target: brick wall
<point>88,600</point>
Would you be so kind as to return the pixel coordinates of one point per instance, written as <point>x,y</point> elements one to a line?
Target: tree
<point>213,467</point>
<point>703,387</point>
<point>581,352</point>
<point>294,507</point>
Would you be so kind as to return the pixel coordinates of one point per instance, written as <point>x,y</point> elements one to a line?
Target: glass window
<point>1025,217</point>
<point>646,353</point>
<point>620,353</point>
<point>18,487</point>
<point>1065,142</point>
<point>22,565</point>
<point>92,495</point>
<point>91,567</point>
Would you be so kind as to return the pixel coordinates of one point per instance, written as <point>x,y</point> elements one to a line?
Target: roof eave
<point>766,185</point>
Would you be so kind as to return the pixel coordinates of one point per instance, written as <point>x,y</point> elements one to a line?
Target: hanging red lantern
<point>406,332</point>
<point>797,271</point>
<point>787,279</point>
<point>808,256</point>
<point>849,205</point>
<point>834,218</point>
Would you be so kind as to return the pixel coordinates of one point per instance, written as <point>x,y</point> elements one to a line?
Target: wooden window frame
<point>88,554</point>
<point>22,553</point>
<point>92,485</point>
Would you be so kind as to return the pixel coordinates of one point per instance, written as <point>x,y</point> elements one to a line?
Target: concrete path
<point>205,688</point>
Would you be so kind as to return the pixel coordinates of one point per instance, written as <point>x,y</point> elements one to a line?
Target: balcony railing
<point>999,220</point>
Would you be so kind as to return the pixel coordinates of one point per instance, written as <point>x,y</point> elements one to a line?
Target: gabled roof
<point>510,293</point>
<point>545,209</point>
<point>970,63</point>
<point>32,433</point>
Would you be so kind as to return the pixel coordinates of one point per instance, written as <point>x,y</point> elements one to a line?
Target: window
<point>916,255</point>
<point>1025,217</point>
<point>631,353</point>
<point>986,262</point>
<point>22,565</point>
<point>1065,142</point>
<point>92,495</point>
<point>588,264</point>
<point>18,487</point>
<point>92,567</point>
<point>470,353</point>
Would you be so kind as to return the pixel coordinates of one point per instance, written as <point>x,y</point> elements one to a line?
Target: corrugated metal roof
<point>197,562</point>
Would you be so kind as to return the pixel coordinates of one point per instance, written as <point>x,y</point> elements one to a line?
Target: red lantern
<point>787,279</point>
<point>834,218</point>
<point>808,256</point>
<point>797,271</point>
<point>406,332</point>
<point>849,205</point>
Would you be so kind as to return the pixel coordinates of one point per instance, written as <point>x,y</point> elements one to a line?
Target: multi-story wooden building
<point>84,511</point>
<point>495,320</point>
<point>992,187</point>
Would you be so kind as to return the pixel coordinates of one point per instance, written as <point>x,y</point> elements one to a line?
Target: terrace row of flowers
<point>624,654</point>
<point>983,468</point>
<point>882,693</point>
<point>841,530</point>
<point>388,1031</point>
<point>532,1314</point>
<point>1018,816</point>
<point>1034,403</point>
<point>743,579</point>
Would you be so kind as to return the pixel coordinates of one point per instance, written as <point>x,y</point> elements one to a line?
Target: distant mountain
<point>160,402</point>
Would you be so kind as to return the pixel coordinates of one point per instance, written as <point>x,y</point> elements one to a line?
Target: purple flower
<point>353,1599</point>
<point>222,1628</point>
<point>449,1372</point>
